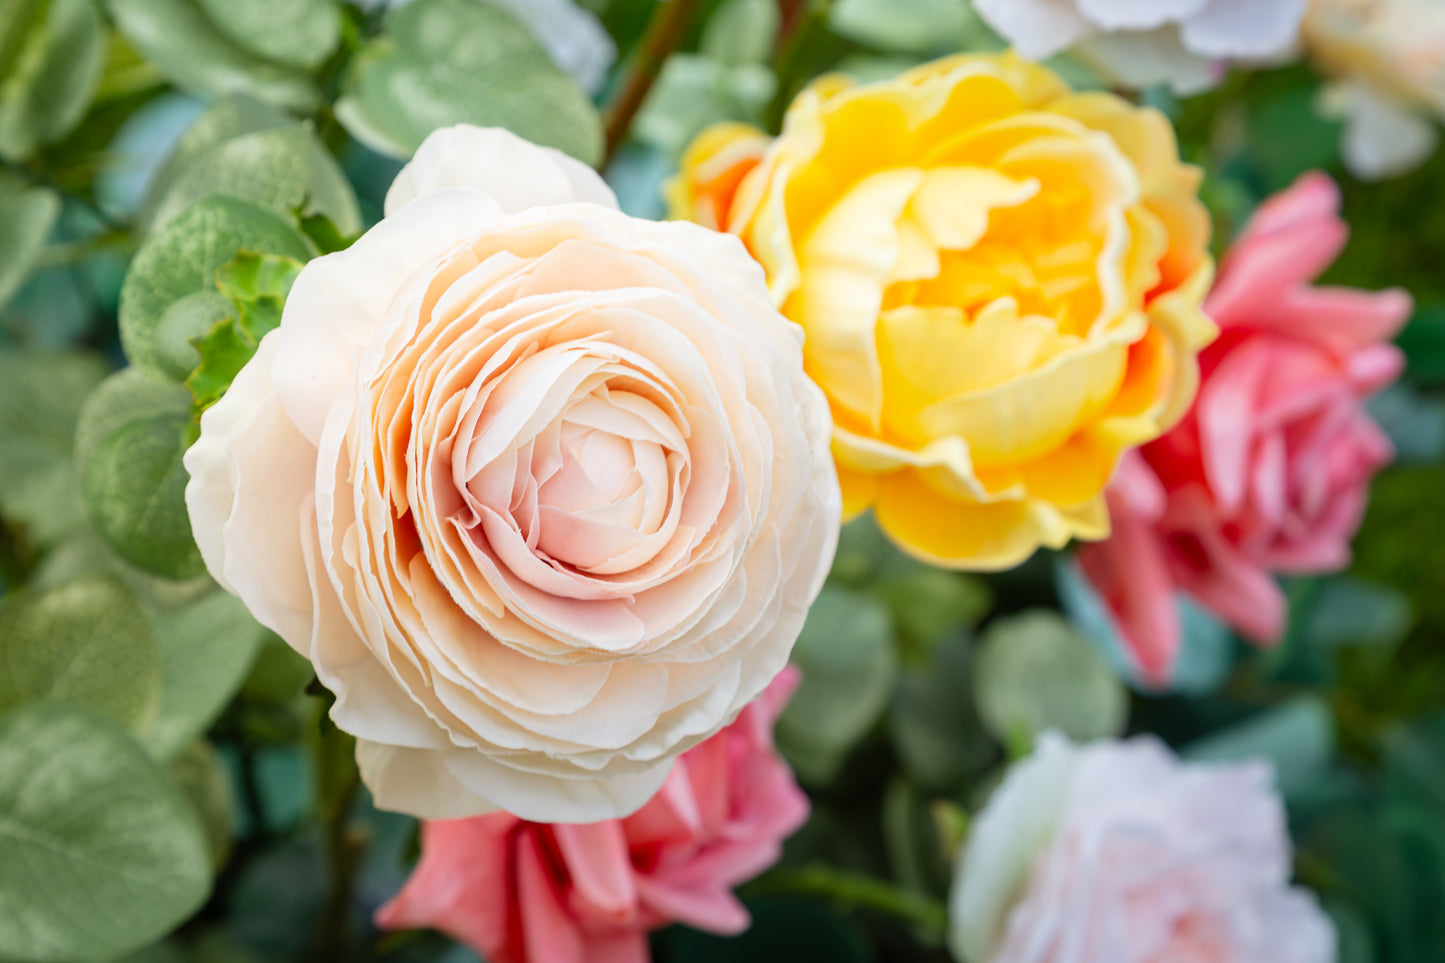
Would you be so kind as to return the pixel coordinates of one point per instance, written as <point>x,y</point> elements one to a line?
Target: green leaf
<point>88,642</point>
<point>741,32</point>
<point>40,398</point>
<point>18,19</point>
<point>1352,611</point>
<point>99,853</point>
<point>197,57</point>
<point>694,92</point>
<point>257,284</point>
<point>281,169</point>
<point>1034,672</point>
<point>299,32</point>
<point>198,774</point>
<point>933,722</point>
<point>905,26</point>
<point>847,658</point>
<point>170,295</point>
<point>929,603</point>
<point>27,216</point>
<point>446,62</point>
<point>55,79</point>
<point>133,431</point>
<point>1298,737</point>
<point>206,650</point>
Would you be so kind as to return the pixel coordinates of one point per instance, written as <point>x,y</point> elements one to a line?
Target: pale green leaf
<point>445,62</point>
<point>198,774</point>
<point>206,650</point>
<point>180,262</point>
<point>1034,672</point>
<point>133,432</point>
<point>55,78</point>
<point>27,216</point>
<point>198,57</point>
<point>299,32</point>
<point>99,853</point>
<point>88,642</point>
<point>40,398</point>
<point>741,32</point>
<point>282,169</point>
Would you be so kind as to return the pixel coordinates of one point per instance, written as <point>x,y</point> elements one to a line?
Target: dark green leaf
<point>99,854</point>
<point>446,62</point>
<point>934,724</point>
<point>88,642</point>
<point>1298,737</point>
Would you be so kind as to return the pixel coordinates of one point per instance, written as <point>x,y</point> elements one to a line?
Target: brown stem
<point>664,33</point>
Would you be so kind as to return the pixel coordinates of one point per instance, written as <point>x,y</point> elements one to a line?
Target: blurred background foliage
<point>208,145</point>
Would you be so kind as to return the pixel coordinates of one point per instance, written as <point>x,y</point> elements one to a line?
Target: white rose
<point>1144,42</point>
<point>1117,852</point>
<point>540,489</point>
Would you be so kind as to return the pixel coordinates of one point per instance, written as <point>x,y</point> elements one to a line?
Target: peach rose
<point>540,489</point>
<point>1117,852</point>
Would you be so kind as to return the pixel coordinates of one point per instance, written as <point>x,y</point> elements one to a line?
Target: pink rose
<point>1117,852</point>
<point>1270,471</point>
<point>523,892</point>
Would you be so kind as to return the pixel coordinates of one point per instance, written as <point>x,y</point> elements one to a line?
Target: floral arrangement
<point>692,480</point>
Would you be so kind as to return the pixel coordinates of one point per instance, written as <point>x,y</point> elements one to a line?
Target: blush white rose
<point>1143,42</point>
<point>540,489</point>
<point>1117,852</point>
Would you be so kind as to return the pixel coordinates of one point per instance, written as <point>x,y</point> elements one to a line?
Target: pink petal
<point>598,861</point>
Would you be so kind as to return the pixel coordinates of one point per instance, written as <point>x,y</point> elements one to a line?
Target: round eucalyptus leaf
<point>300,32</point>
<point>27,216</point>
<point>195,55</point>
<point>54,80</point>
<point>1034,672</point>
<point>88,642</point>
<point>99,852</point>
<point>199,775</point>
<point>206,650</point>
<point>444,62</point>
<point>133,432</point>
<point>180,261</point>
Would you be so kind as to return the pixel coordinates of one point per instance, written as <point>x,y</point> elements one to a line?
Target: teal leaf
<point>1297,737</point>
<point>88,642</point>
<point>444,62</point>
<point>99,853</point>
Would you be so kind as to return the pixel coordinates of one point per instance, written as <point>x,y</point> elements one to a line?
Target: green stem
<point>339,781</point>
<point>856,891</point>
<point>663,36</point>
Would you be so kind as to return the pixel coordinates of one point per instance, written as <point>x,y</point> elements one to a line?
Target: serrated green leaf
<point>197,57</point>
<point>1034,672</point>
<point>55,78</point>
<point>180,262</point>
<point>133,432</point>
<point>299,32</point>
<point>206,650</point>
<point>326,236</point>
<point>281,169</point>
<point>848,663</point>
<point>40,398</point>
<point>256,285</point>
<point>27,216</point>
<point>99,853</point>
<point>444,62</point>
<point>88,642</point>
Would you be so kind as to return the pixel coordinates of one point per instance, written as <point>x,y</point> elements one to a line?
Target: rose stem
<point>665,31</point>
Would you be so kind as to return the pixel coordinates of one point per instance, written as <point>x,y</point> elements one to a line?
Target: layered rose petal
<point>521,891</point>
<point>1119,852</point>
<point>1270,471</point>
<point>1000,281</point>
<point>541,490</point>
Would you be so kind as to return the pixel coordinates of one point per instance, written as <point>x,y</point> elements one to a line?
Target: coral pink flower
<point>1270,471</point>
<point>524,892</point>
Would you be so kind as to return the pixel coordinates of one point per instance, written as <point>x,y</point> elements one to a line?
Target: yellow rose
<point>1000,282</point>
